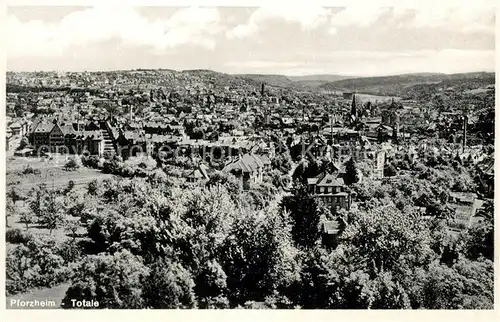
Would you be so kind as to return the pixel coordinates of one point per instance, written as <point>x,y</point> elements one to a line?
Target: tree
<point>36,203</point>
<point>282,162</point>
<point>388,293</point>
<point>465,285</point>
<point>93,187</point>
<point>229,181</point>
<point>34,264</point>
<point>211,286</point>
<point>351,175</point>
<point>24,143</point>
<point>69,188</point>
<point>169,286</point>
<point>197,133</point>
<point>15,194</point>
<point>258,257</point>
<point>111,166</point>
<point>315,283</point>
<point>18,110</point>
<point>28,217</point>
<point>479,239</point>
<point>72,227</point>
<point>115,281</point>
<point>10,209</point>
<point>305,213</point>
<point>52,215</point>
<point>386,239</point>
<point>389,170</point>
<point>17,264</point>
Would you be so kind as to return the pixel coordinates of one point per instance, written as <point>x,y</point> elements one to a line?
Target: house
<point>132,143</point>
<point>248,168</point>
<point>93,142</point>
<point>347,95</point>
<point>331,189</point>
<point>56,138</point>
<point>40,134</point>
<point>464,206</point>
<point>486,169</point>
<point>16,129</point>
<point>330,232</point>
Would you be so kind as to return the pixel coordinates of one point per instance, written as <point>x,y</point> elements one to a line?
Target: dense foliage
<point>149,243</point>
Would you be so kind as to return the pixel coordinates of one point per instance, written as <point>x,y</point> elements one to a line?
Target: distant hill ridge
<point>396,85</point>
<point>404,79</point>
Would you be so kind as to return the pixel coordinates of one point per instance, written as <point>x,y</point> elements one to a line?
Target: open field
<point>51,173</point>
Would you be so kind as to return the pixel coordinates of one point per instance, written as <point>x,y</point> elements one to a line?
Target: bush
<point>112,167</point>
<point>141,173</point>
<point>29,170</point>
<point>68,250</point>
<point>71,165</point>
<point>128,171</point>
<point>91,161</point>
<point>17,236</point>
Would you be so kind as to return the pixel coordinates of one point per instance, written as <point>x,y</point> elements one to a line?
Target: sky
<point>298,39</point>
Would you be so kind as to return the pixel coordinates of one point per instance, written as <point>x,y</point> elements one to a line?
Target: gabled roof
<point>246,163</point>
<point>329,180</point>
<point>67,129</point>
<point>326,179</point>
<point>44,127</point>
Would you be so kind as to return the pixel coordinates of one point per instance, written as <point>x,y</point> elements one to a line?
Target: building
<point>249,168</point>
<point>40,135</point>
<point>464,206</point>
<point>330,231</point>
<point>16,129</point>
<point>93,142</point>
<point>331,189</point>
<point>486,170</point>
<point>347,95</point>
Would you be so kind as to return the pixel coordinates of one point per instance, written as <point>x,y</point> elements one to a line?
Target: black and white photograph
<point>285,156</point>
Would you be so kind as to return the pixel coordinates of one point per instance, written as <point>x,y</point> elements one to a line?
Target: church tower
<point>354,110</point>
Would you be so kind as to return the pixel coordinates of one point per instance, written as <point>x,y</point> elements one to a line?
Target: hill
<point>411,85</point>
<point>273,80</point>
<point>319,78</point>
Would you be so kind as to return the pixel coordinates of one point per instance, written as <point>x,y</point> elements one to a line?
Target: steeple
<point>354,110</point>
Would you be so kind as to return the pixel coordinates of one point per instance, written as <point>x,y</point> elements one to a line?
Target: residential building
<point>248,168</point>
<point>331,189</point>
